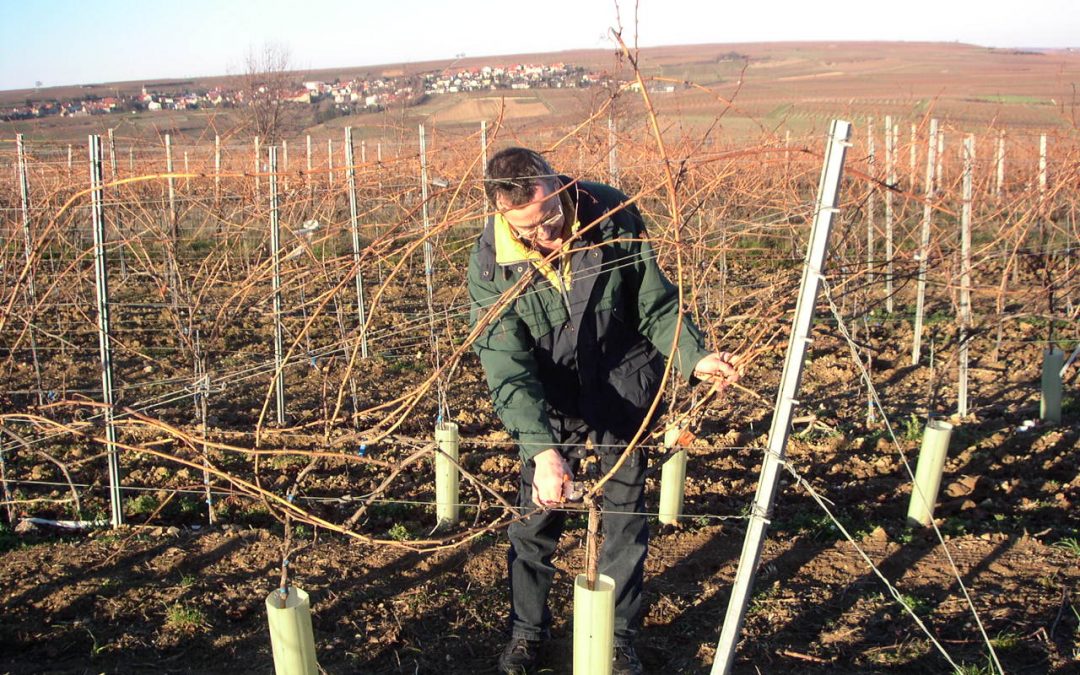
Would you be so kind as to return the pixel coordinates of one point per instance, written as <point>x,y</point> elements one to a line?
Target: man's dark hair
<point>513,175</point>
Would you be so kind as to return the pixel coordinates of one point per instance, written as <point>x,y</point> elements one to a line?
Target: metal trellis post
<point>891,134</point>
<point>965,275</point>
<point>999,161</point>
<point>217,167</point>
<point>104,337</point>
<point>258,182</point>
<point>310,184</point>
<point>428,251</point>
<point>28,246</point>
<point>172,189</point>
<point>924,241</point>
<point>773,461</point>
<point>354,226</point>
<point>613,160</point>
<point>275,247</point>
<point>112,157</point>
<point>483,148</point>
<point>330,161</point>
<point>429,263</point>
<point>871,165</point>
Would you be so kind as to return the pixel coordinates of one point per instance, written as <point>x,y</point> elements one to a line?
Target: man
<point>577,353</point>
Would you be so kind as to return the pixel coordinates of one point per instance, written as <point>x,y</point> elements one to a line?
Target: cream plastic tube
<point>594,625</point>
<point>672,480</point>
<point>935,447</point>
<point>447,477</point>
<point>1050,403</point>
<point>291,637</point>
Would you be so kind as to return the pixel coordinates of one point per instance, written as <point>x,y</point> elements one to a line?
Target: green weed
<point>913,428</point>
<point>976,669</point>
<point>184,618</point>
<point>954,527</point>
<point>904,653</point>
<point>142,505</point>
<point>818,526</point>
<point>1069,545</point>
<point>95,648</point>
<point>1013,98</point>
<point>917,605</point>
<point>399,532</point>
<point>1006,641</point>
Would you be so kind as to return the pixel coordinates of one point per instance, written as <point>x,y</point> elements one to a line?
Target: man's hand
<point>551,472</point>
<point>717,364</point>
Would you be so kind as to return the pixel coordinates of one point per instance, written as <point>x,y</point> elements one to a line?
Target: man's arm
<point>504,348</point>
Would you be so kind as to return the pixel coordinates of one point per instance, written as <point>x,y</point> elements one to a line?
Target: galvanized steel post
<point>354,226</point>
<point>924,240</point>
<point>774,458</point>
<point>275,247</point>
<point>104,336</point>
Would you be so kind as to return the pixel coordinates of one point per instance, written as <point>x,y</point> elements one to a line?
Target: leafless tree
<point>266,84</point>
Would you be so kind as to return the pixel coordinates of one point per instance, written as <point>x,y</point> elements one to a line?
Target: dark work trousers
<point>622,554</point>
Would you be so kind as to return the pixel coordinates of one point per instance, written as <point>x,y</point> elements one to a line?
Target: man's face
<point>541,222</point>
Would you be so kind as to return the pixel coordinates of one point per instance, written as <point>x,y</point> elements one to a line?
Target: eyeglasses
<point>530,231</point>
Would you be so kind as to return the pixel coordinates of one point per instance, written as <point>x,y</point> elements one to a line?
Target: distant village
<point>335,98</point>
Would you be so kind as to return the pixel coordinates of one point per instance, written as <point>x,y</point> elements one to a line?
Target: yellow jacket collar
<point>510,250</point>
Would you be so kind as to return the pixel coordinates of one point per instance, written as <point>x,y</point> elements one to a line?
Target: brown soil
<point>112,601</point>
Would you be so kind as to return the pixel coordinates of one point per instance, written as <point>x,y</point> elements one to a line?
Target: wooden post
<point>924,242</point>
<point>101,277</point>
<point>965,274</point>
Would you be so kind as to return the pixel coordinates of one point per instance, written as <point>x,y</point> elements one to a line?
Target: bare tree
<point>266,84</point>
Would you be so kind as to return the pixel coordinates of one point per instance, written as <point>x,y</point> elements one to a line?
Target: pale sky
<point>80,41</point>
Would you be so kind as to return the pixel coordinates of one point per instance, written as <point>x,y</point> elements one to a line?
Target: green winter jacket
<point>588,360</point>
